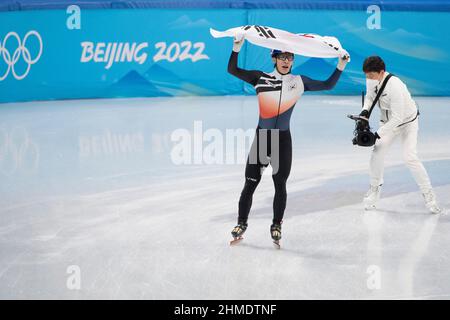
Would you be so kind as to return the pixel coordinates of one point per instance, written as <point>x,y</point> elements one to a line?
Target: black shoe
<point>239,230</point>
<point>275,231</point>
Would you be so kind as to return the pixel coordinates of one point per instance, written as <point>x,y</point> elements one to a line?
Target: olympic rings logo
<point>21,51</point>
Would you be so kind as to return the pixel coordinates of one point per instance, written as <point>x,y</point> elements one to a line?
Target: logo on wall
<point>119,52</point>
<point>12,57</point>
<point>110,53</point>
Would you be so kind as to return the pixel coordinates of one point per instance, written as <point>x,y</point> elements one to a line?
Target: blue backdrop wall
<point>52,50</point>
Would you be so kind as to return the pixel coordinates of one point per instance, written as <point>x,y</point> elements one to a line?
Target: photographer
<point>399,119</point>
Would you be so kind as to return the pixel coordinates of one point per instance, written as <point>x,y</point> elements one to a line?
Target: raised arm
<point>317,85</point>
<point>250,76</point>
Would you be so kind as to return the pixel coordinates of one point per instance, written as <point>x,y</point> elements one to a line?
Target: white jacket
<point>396,105</point>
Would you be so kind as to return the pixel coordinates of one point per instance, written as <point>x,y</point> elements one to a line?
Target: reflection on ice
<point>88,189</point>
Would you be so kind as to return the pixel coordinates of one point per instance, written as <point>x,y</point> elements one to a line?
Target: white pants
<point>408,135</point>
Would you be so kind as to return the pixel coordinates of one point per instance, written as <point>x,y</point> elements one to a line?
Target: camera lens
<point>365,138</point>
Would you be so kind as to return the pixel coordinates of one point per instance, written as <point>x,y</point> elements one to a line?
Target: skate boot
<point>237,232</point>
<point>275,232</point>
<point>430,201</point>
<point>371,198</point>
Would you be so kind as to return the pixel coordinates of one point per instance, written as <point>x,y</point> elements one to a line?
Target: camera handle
<point>357,117</point>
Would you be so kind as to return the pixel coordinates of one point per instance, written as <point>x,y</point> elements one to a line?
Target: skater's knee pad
<point>252,180</point>
<point>250,185</point>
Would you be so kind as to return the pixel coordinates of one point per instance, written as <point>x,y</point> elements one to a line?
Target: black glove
<point>363,124</point>
<point>364,114</point>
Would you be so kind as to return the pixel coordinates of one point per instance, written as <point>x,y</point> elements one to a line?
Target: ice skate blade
<point>276,244</point>
<point>235,241</point>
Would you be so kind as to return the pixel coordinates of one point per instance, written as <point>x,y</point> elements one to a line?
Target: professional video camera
<point>363,136</point>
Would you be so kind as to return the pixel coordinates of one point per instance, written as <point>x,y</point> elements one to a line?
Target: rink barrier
<point>100,53</point>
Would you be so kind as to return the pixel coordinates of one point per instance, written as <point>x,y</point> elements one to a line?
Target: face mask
<point>371,84</point>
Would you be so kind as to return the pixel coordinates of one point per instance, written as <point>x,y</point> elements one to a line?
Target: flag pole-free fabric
<point>309,45</point>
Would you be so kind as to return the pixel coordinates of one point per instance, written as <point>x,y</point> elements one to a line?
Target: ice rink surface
<point>90,189</point>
